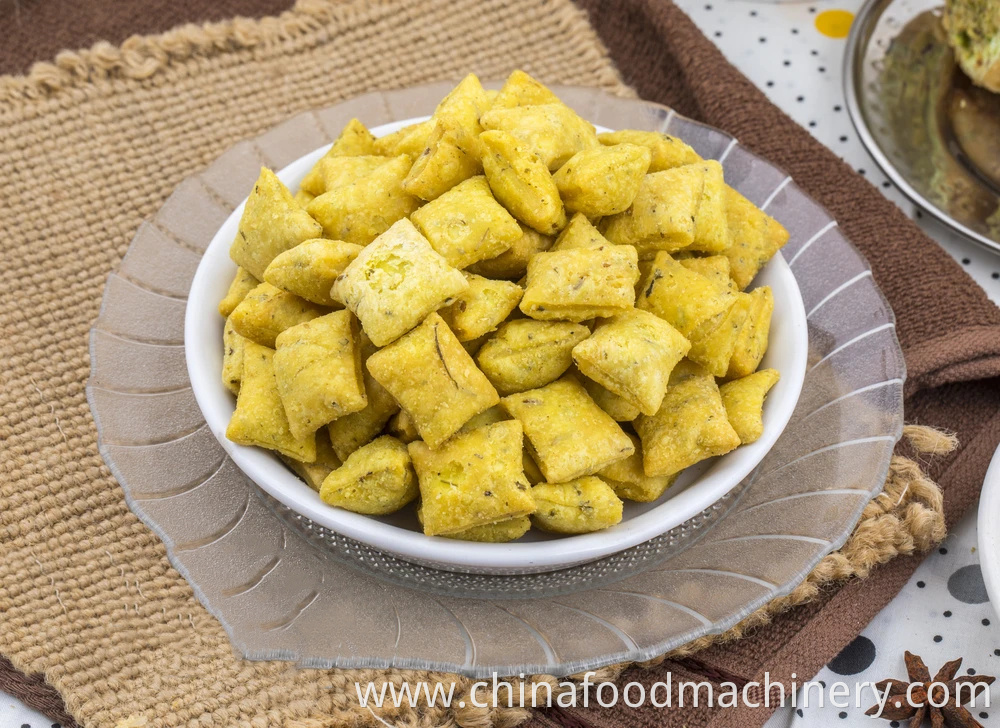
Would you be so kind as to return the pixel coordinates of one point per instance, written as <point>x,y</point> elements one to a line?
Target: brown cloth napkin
<point>949,330</point>
<point>36,30</point>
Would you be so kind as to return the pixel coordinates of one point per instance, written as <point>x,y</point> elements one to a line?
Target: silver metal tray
<point>933,133</point>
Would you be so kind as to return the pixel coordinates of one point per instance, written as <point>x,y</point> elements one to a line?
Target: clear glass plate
<point>286,588</point>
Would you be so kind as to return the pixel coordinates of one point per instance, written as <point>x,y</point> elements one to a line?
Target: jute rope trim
<point>905,518</point>
<point>142,57</point>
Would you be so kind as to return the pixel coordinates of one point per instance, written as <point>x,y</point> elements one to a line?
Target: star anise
<point>918,705</point>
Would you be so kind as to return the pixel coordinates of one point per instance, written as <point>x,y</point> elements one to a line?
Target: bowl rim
<point>988,531</point>
<point>266,470</point>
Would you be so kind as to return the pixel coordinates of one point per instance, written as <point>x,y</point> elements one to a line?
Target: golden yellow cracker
<point>645,266</point>
<point>401,426</point>
<point>326,462</point>
<point>621,410</point>
<point>303,198</point>
<point>272,222</point>
<point>472,480</point>
<point>335,172</point>
<point>553,132</point>
<point>490,416</point>
<point>751,344</point>
<point>521,182</point>
<point>632,355</point>
<point>259,419</point>
<point>232,357</point>
<point>581,283</point>
<point>242,284</point>
<point>713,267</point>
<point>568,435</point>
<point>450,157</point>
<point>602,180</point>
<point>362,210</point>
<point>755,236</point>
<point>474,345</point>
<point>683,298</point>
<point>628,479</point>
<point>354,141</point>
<point>466,224</point>
<point>504,531</point>
<point>579,233</point>
<point>395,282</point>
<point>711,231</point>
<point>532,473</point>
<point>463,106</point>
<point>310,269</point>
<point>411,140</point>
<point>317,365</point>
<point>713,343</point>
<point>434,379</point>
<point>520,89</point>
<point>499,532</point>
<point>526,354</point>
<point>512,264</point>
<point>662,215</point>
<point>579,506</point>
<point>509,529</point>
<point>690,426</point>
<point>744,402</point>
<point>350,432</point>
<point>667,151</point>
<point>481,307</point>
<point>267,311</point>
<point>377,479</point>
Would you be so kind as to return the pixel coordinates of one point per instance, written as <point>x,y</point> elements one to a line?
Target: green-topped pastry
<point>974,32</point>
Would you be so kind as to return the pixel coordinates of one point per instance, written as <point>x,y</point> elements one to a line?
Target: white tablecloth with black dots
<point>794,52</point>
<point>942,613</point>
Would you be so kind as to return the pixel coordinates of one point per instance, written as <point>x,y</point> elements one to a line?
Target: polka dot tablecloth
<point>942,613</point>
<point>794,53</point>
<point>14,714</point>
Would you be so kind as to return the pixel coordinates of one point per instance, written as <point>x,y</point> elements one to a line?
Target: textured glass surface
<point>286,588</point>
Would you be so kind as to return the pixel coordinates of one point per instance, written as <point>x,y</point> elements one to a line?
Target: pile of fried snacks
<point>499,317</point>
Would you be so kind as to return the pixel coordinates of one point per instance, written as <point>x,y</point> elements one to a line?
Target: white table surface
<point>780,49</point>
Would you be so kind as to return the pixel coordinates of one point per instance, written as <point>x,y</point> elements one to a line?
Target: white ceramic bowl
<point>988,526</point>
<point>696,489</point>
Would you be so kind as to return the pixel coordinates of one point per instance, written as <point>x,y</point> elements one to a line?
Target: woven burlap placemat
<point>93,144</point>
